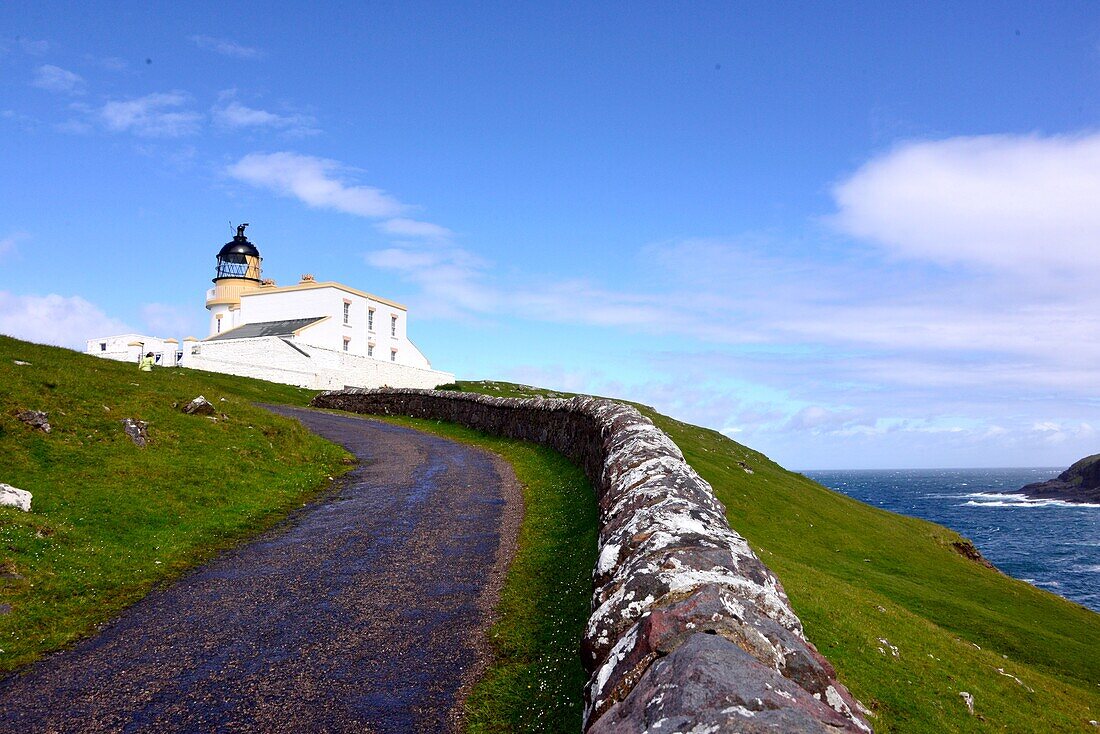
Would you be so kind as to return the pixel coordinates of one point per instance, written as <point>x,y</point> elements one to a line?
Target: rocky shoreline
<point>1079,483</point>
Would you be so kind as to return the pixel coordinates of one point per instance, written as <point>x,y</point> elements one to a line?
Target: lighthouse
<point>237,272</point>
<point>320,335</point>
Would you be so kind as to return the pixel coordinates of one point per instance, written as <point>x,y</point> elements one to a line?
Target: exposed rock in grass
<point>199,406</point>
<point>893,648</point>
<point>966,549</point>
<point>138,431</point>
<point>968,700</point>
<point>21,363</point>
<point>36,419</point>
<point>12,497</point>
<point>5,609</point>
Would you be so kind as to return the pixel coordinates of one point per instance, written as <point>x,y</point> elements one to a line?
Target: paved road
<point>365,612</point>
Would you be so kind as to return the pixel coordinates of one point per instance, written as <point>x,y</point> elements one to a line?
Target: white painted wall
<point>259,306</point>
<point>230,318</point>
<point>118,348</point>
<point>272,358</point>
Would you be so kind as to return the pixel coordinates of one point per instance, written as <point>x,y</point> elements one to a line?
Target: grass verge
<point>867,582</point>
<point>536,681</point>
<point>111,520</point>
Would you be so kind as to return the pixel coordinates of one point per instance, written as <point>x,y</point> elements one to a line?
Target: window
<point>103,346</point>
<point>347,312</point>
<point>347,341</point>
<point>370,350</point>
<point>219,324</point>
<point>393,326</point>
<point>370,319</point>
<point>393,355</point>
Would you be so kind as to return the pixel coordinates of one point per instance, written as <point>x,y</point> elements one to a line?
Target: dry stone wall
<point>689,630</point>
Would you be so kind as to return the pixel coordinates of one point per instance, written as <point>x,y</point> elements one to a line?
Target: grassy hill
<point>110,519</point>
<point>866,581</point>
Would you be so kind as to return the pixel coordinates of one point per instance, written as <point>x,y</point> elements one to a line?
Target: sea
<point>1052,544</point>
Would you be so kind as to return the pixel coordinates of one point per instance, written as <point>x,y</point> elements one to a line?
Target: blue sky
<point>846,235</point>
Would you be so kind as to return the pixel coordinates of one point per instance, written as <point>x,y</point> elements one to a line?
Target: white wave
<point>1030,503</point>
<point>997,499</point>
<point>1090,568</point>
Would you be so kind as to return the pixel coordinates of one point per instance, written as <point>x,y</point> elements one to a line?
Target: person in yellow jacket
<point>147,362</point>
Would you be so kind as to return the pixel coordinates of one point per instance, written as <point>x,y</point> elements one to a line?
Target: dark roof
<point>266,328</point>
<point>236,250</point>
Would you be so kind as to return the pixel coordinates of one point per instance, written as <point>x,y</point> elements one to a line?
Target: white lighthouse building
<point>320,335</point>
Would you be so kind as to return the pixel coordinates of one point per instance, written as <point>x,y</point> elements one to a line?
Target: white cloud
<point>236,115</point>
<point>318,182</point>
<point>154,116</point>
<point>402,227</point>
<point>226,47</point>
<point>455,283</point>
<point>999,202</point>
<point>66,321</point>
<point>55,79</point>
<point>451,279</point>
<point>110,63</point>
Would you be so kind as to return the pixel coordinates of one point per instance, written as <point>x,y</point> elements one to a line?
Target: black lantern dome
<point>239,258</point>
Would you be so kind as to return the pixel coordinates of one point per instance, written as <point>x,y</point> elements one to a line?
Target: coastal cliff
<point>1079,483</point>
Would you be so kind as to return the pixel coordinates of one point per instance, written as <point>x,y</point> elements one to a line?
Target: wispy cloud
<point>33,46</point>
<point>66,321</point>
<point>226,47</point>
<point>455,283</point>
<point>156,115</point>
<point>110,63</point>
<point>235,115</point>
<point>55,79</point>
<point>318,182</point>
<point>402,227</point>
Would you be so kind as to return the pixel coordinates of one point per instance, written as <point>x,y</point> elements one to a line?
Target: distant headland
<point>1079,483</point>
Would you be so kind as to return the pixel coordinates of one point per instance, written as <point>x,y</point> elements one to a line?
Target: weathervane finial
<point>240,229</point>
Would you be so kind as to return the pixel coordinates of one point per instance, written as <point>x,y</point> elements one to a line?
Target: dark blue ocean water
<point>1052,544</point>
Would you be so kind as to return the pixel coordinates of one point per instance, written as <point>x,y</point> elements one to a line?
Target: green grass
<point>536,682</point>
<point>110,520</point>
<point>856,574</point>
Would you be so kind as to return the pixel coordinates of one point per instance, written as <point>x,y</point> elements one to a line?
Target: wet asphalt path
<point>364,612</point>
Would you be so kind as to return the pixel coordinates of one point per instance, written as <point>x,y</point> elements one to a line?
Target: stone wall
<point>689,631</point>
